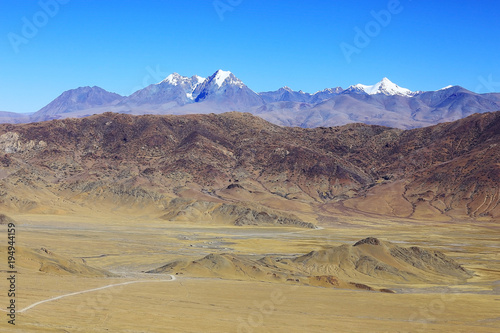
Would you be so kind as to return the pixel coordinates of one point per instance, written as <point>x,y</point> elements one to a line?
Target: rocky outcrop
<point>10,142</point>
<point>235,214</point>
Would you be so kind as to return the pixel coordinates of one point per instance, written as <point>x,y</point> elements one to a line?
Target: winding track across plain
<point>173,278</point>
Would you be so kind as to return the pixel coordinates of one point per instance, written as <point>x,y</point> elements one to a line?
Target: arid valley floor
<point>128,246</point>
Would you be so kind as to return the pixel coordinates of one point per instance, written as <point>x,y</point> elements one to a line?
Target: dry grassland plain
<point>130,300</point>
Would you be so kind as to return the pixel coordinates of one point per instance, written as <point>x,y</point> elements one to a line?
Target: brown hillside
<point>142,162</point>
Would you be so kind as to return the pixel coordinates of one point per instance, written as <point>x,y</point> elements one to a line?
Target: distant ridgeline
<point>383,103</point>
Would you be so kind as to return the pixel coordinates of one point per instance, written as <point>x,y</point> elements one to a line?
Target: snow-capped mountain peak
<point>175,79</point>
<point>225,88</point>
<point>385,87</point>
<point>221,76</point>
<point>187,84</point>
<point>225,77</point>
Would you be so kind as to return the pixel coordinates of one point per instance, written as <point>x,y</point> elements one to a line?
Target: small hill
<point>228,266</point>
<point>369,261</point>
<point>372,258</point>
<point>45,261</point>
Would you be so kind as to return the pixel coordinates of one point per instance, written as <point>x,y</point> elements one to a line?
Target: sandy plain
<point>130,245</point>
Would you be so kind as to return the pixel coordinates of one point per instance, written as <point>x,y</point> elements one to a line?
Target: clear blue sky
<point>122,45</point>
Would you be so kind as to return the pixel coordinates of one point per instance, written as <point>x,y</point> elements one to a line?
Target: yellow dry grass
<point>129,245</point>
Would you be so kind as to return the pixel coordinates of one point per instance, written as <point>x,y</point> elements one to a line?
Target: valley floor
<point>129,246</point>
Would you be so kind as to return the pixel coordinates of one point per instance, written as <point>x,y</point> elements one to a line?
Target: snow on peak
<point>385,87</point>
<point>198,79</point>
<point>330,90</point>
<point>186,83</point>
<point>447,87</point>
<point>174,79</point>
<point>220,77</point>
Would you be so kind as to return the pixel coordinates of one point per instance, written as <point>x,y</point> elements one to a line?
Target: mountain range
<point>383,103</point>
<point>236,163</point>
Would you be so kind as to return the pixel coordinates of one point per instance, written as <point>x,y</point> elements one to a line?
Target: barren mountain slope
<point>142,162</point>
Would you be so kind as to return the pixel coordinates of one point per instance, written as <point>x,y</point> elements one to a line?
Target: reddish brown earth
<point>451,170</point>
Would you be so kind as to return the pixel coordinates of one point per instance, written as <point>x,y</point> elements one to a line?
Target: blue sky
<point>125,45</point>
